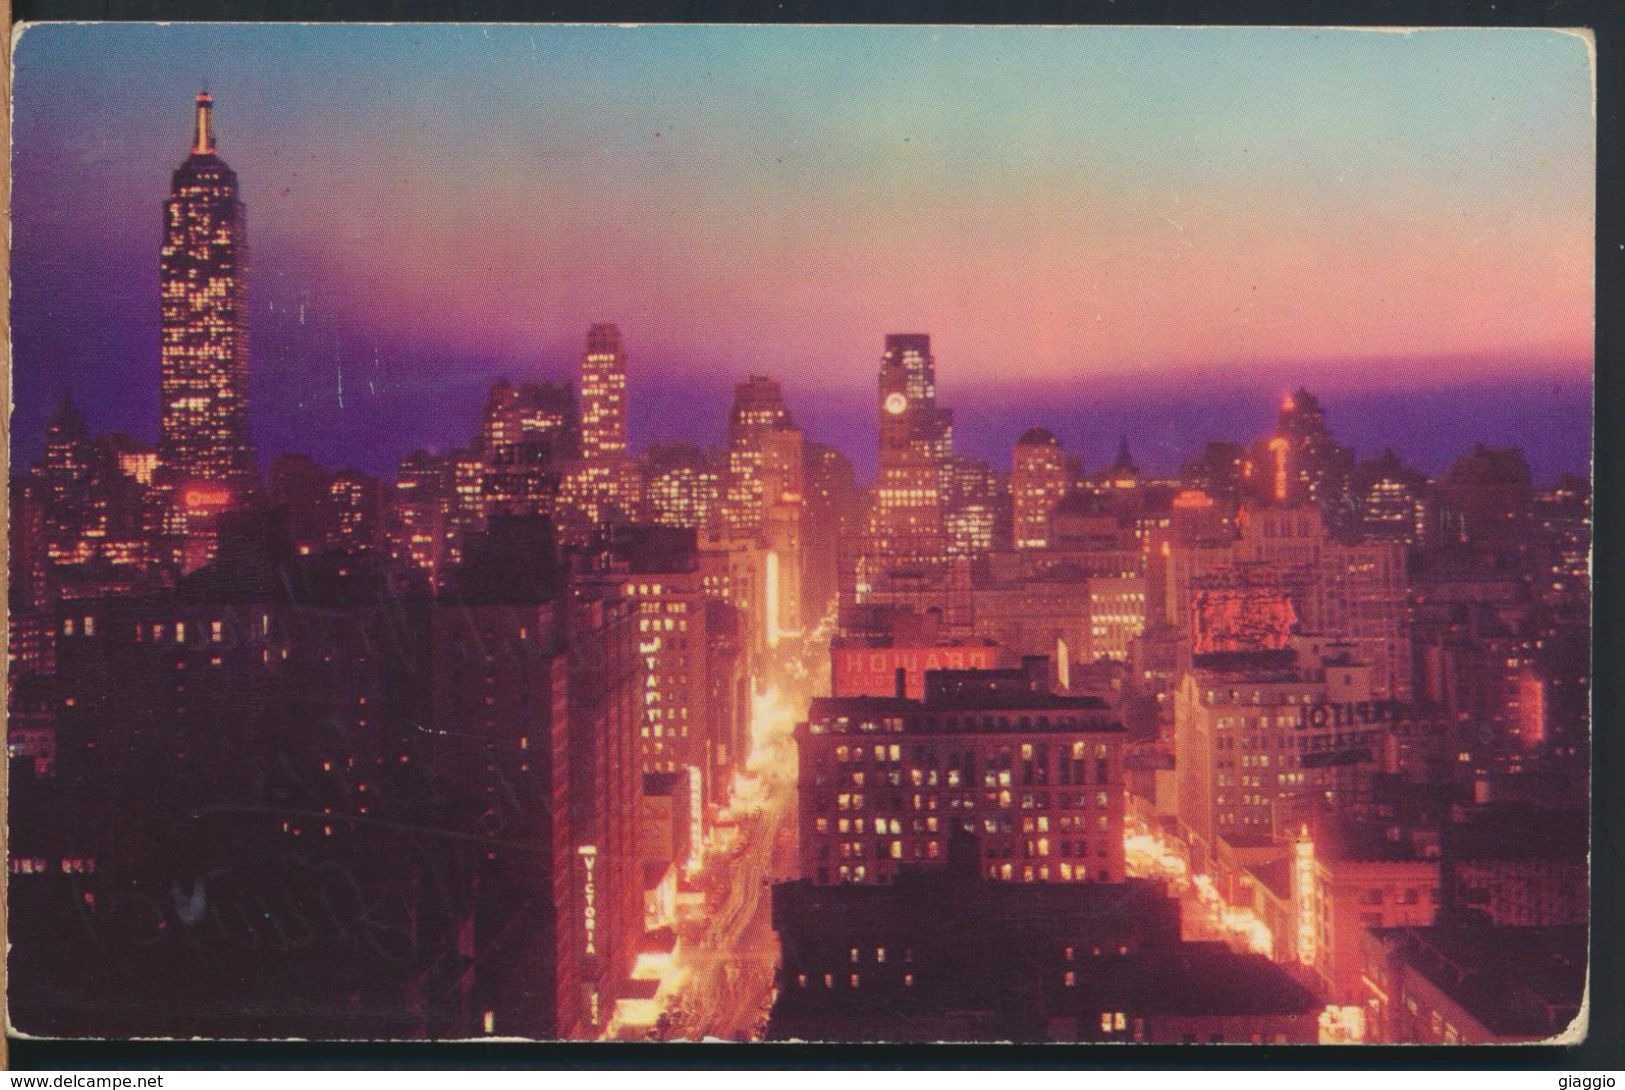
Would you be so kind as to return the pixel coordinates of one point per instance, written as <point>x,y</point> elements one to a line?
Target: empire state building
<point>204,453</point>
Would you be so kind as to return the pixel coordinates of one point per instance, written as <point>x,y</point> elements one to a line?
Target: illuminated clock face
<point>896,403</point>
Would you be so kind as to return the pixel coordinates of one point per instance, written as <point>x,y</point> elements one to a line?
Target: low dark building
<point>944,955</point>
<point>1471,984</point>
<point>1516,867</point>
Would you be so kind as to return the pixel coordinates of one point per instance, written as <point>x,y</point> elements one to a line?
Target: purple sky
<point>1151,232</point>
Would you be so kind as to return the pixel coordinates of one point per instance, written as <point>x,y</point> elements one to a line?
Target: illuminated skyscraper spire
<point>203,133</point>
<point>204,452</point>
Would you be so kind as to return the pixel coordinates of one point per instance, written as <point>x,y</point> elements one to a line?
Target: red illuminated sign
<point>1193,498</point>
<point>208,497</point>
<point>1241,619</point>
<point>872,671</point>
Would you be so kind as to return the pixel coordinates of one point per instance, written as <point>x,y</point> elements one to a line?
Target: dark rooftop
<point>1063,712</point>
<point>1275,877</point>
<point>1520,982</point>
<point>1521,833</point>
<point>662,783</point>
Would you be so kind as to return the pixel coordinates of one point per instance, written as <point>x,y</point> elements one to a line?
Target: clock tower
<point>915,466</point>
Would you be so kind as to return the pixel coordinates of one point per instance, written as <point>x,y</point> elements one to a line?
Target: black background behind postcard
<point>1605,1046</point>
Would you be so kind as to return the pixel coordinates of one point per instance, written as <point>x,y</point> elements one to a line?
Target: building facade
<point>1038,778</point>
<point>203,425</point>
<point>1038,482</point>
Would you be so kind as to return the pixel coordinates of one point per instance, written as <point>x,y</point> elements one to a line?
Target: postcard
<point>800,533</point>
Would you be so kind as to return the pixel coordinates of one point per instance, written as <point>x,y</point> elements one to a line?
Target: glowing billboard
<point>1241,619</point>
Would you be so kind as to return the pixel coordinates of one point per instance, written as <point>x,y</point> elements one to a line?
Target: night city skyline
<point>1170,195</point>
<point>583,582</point>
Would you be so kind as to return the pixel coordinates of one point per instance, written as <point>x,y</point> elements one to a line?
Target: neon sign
<point>1303,870</point>
<point>696,821</point>
<point>589,898</point>
<point>1193,498</point>
<point>208,497</point>
<point>1241,619</point>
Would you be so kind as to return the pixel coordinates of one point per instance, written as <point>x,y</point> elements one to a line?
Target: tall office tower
<point>1561,532</point>
<point>914,423</point>
<point>204,450</point>
<point>1221,470</point>
<point>65,474</point>
<point>532,413</point>
<point>916,465</point>
<point>1038,481</point>
<point>972,518</point>
<point>544,413</point>
<point>526,434</point>
<point>420,512</point>
<point>123,511</point>
<point>603,395</point>
<point>300,485</point>
<point>758,411</point>
<point>354,506</point>
<point>135,458</point>
<point>533,690</point>
<point>834,518</point>
<point>467,501</point>
<point>909,370</point>
<point>656,570</point>
<point>29,587</point>
<point>1304,464</point>
<point>765,494</point>
<point>603,485</point>
<point>1390,499</point>
<point>94,514</point>
<point>1487,496</point>
<point>436,509</point>
<point>682,487</point>
<point>606,780</point>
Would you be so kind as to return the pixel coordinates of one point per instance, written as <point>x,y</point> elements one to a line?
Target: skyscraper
<point>765,489</point>
<point>834,519</point>
<point>603,395</point>
<point>1306,465</point>
<point>1390,499</point>
<point>204,421</point>
<point>1038,481</point>
<point>916,463</point>
<point>601,487</point>
<point>757,412</point>
<point>66,473</point>
<point>910,421</point>
<point>526,434</point>
<point>682,487</point>
<point>909,371</point>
